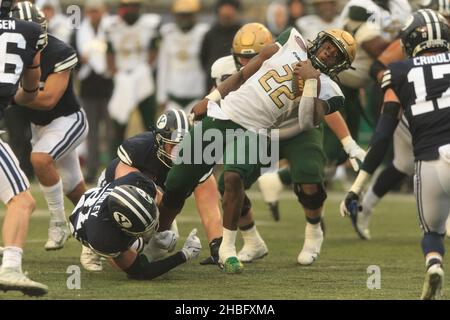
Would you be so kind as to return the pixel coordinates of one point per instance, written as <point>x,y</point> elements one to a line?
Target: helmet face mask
<point>426,30</point>
<point>170,130</point>
<point>343,42</point>
<point>133,210</point>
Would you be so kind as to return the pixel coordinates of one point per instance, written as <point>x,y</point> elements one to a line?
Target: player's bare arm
<point>54,88</point>
<point>30,82</point>
<point>236,80</point>
<point>375,46</point>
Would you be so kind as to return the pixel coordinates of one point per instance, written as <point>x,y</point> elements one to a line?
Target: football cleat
<point>312,245</point>
<point>434,278</point>
<point>90,260</point>
<point>214,246</point>
<point>58,233</point>
<point>232,265</point>
<point>15,280</point>
<point>271,187</point>
<point>251,252</point>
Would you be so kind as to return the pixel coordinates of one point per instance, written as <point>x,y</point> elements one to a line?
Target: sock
<point>387,180</point>
<point>432,259</point>
<point>228,246</point>
<point>370,200</point>
<point>251,236</point>
<point>55,201</point>
<point>248,226</point>
<point>12,257</point>
<point>313,221</point>
<point>313,226</point>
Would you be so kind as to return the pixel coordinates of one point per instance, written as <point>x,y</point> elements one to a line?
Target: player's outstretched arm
<point>233,82</point>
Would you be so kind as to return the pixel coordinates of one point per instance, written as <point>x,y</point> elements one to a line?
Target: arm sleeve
<point>141,269</point>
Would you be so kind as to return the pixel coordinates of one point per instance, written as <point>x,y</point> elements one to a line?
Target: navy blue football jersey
<point>56,57</point>
<point>423,86</point>
<point>19,42</point>
<point>140,152</point>
<point>92,224</point>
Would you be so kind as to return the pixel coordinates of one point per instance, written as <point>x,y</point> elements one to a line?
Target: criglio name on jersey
<point>436,58</point>
<point>7,24</point>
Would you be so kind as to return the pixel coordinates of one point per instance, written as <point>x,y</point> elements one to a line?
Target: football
<point>298,84</point>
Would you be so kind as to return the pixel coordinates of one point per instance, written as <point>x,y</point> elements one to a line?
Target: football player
<point>20,65</point>
<point>266,87</point>
<point>403,162</point>
<point>151,153</point>
<point>111,219</point>
<point>243,50</point>
<point>418,89</point>
<point>58,126</point>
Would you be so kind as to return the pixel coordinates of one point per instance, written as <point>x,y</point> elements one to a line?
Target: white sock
<point>432,256</point>
<point>12,258</point>
<point>55,201</point>
<point>228,246</point>
<point>313,226</point>
<point>370,200</point>
<point>251,236</point>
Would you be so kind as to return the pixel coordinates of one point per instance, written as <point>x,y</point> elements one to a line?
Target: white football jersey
<point>179,69</point>
<point>266,100</point>
<point>309,26</point>
<point>386,24</point>
<point>131,43</point>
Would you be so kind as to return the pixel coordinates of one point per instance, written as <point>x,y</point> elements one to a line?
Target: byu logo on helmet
<point>145,195</point>
<point>122,220</point>
<point>162,121</point>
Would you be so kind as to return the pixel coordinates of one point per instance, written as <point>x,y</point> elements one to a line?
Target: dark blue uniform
<point>55,58</point>
<point>140,152</point>
<point>423,86</point>
<point>93,225</point>
<point>19,43</point>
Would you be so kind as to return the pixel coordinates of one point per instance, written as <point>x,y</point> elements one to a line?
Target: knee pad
<point>433,242</point>
<point>246,207</point>
<point>311,201</point>
<point>173,200</point>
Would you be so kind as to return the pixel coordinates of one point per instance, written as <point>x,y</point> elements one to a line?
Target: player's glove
<point>165,240</point>
<point>355,153</point>
<point>192,246</point>
<point>350,205</point>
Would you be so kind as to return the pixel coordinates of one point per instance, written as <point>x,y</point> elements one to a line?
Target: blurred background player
<point>58,23</point>
<point>27,40</point>
<point>218,40</point>
<point>58,126</point>
<point>418,89</point>
<point>181,81</point>
<point>326,16</point>
<point>277,17</point>
<point>96,85</point>
<point>130,57</point>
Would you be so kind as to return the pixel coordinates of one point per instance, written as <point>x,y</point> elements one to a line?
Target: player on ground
<point>265,86</point>
<point>111,219</point>
<point>21,42</point>
<point>418,89</point>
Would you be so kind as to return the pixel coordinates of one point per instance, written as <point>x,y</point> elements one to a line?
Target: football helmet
<point>6,6</point>
<point>343,40</point>
<point>133,210</point>
<point>441,6</point>
<point>425,30</point>
<point>249,41</point>
<point>185,6</point>
<point>171,127</point>
<point>29,12</point>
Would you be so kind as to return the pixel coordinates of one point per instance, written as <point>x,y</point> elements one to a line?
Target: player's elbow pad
<point>306,113</point>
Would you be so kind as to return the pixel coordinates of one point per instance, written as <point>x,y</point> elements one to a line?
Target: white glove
<point>166,240</point>
<point>355,153</point>
<point>192,246</point>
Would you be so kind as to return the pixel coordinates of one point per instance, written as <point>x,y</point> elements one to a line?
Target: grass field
<point>339,273</point>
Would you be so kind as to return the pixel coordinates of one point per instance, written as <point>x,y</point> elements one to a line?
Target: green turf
<point>339,273</point>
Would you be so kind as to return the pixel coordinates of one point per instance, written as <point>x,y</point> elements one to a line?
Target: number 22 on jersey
<point>278,90</point>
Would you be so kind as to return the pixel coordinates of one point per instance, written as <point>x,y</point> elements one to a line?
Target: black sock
<point>387,180</point>
<point>248,226</point>
<point>313,220</point>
